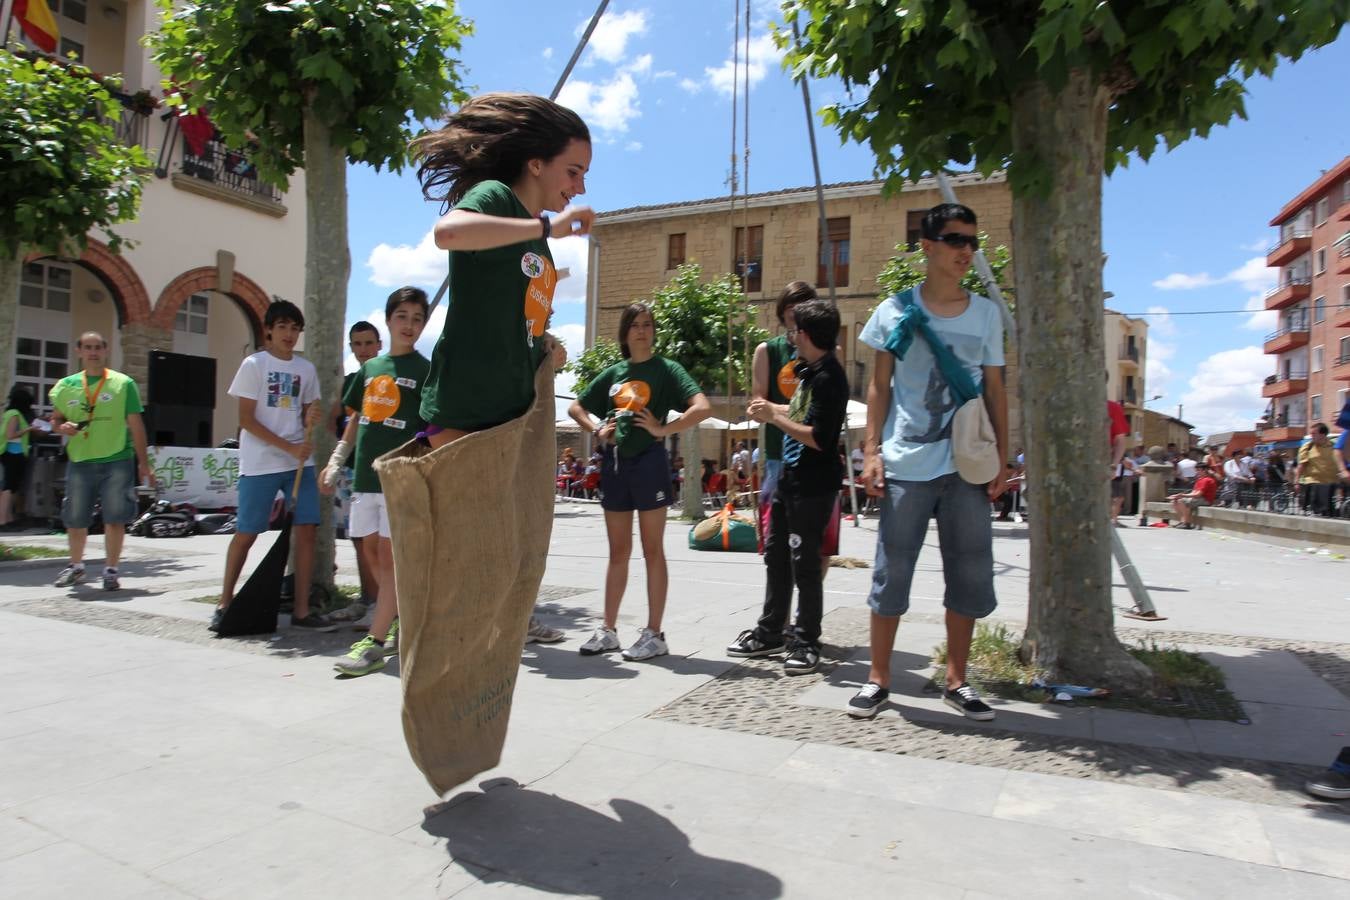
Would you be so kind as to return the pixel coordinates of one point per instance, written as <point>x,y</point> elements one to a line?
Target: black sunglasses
<point>952,239</point>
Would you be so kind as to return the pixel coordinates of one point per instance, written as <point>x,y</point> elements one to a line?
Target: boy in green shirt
<point>99,412</point>
<point>383,400</point>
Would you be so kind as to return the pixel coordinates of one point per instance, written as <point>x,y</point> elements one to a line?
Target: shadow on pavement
<point>550,844</point>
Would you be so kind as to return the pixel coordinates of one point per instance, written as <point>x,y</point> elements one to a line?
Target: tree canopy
<point>933,80</point>
<point>63,172</point>
<point>362,68</point>
<point>691,329</point>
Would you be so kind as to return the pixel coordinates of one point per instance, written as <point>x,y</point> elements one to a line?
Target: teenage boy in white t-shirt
<point>278,394</point>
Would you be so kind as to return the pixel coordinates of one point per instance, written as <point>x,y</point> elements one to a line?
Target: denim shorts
<point>639,482</point>
<point>112,484</point>
<point>965,538</point>
<point>256,493</point>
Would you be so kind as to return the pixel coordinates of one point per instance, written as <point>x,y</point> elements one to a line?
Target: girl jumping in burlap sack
<point>469,550</point>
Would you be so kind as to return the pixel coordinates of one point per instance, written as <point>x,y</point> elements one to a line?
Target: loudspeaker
<point>180,410</point>
<point>182,380</point>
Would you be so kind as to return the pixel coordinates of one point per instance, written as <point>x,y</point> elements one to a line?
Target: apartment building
<point>184,305</point>
<point>772,238</point>
<point>1125,344</point>
<point>1311,345</point>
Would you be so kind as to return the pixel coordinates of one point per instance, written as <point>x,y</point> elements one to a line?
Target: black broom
<point>254,607</point>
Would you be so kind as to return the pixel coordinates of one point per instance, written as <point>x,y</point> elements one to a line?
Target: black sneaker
<point>313,622</point>
<point>750,644</point>
<point>216,618</point>
<point>965,700</point>
<point>1330,785</point>
<point>868,701</point>
<point>802,659</point>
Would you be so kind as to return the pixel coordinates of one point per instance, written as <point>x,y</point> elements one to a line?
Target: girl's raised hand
<point>574,220</point>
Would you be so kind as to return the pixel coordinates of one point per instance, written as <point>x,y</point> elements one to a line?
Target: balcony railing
<point>1293,281</point>
<point>1293,420</point>
<point>1342,360</point>
<point>131,123</point>
<point>1130,352</point>
<point>1289,376</point>
<point>228,168</point>
<point>1292,327</point>
<point>1129,397</point>
<point>1292,235</point>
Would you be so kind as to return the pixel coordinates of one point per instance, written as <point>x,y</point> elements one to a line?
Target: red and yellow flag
<point>37,21</point>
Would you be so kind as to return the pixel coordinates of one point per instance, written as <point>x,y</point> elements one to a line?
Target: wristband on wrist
<point>548,226</point>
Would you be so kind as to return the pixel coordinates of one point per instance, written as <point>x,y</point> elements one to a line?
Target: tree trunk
<point>691,500</point>
<point>1058,248</point>
<point>327,266</point>
<point>10,267</point>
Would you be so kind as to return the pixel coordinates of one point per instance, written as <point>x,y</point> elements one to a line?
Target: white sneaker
<point>650,644</point>
<point>605,640</point>
<point>539,633</point>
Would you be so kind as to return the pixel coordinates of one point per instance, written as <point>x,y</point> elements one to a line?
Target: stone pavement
<point>145,758</point>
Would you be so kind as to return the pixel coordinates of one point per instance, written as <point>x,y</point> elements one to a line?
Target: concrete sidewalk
<point>145,758</point>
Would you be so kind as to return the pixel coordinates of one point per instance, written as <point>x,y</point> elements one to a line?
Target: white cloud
<point>640,66</point>
<point>1179,281</point>
<point>763,52</point>
<point>1259,245</point>
<point>1160,323</point>
<point>664,73</point>
<point>689,85</point>
<point>1225,392</point>
<point>609,41</point>
<point>608,105</point>
<point>574,338</point>
<point>547,53</point>
<point>572,254</point>
<point>394,265</point>
<point>633,146</point>
<point>1261,319</point>
<point>1252,275</point>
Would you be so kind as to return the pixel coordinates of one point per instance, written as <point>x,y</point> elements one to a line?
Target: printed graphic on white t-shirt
<point>281,388</point>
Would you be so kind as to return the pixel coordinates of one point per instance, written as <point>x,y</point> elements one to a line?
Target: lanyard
<point>91,400</point>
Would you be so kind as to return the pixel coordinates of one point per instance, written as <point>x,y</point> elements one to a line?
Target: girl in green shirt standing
<point>632,399</point>
<point>17,424</point>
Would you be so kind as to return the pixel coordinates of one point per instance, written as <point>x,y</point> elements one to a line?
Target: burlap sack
<point>470,524</point>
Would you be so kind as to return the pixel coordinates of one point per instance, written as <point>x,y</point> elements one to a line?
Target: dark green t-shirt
<point>659,384</point>
<point>482,370</point>
<point>782,385</point>
<point>385,393</point>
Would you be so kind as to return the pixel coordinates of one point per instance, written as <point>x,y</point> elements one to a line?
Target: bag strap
<point>953,372</point>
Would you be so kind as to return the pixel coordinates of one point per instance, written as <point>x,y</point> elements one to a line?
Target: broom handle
<point>300,469</point>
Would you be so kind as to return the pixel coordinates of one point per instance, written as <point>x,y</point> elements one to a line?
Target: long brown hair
<point>492,137</point>
<point>626,320</point>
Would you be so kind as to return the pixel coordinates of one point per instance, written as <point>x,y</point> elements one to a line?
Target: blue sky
<point>1185,232</point>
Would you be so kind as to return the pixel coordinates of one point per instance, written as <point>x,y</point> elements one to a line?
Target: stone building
<point>212,244</point>
<point>773,238</point>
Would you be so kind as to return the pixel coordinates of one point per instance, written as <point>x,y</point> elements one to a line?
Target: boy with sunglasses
<point>907,455</point>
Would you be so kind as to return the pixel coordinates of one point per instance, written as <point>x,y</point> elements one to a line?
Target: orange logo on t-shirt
<point>539,293</point>
<point>381,398</point>
<point>787,379</point>
<point>631,396</point>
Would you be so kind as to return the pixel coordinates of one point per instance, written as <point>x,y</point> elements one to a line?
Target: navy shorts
<point>639,482</point>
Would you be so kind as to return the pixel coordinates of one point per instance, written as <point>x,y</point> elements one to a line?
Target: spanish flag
<point>38,23</point>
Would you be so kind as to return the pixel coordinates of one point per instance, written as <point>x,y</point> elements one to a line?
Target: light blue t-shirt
<point>916,439</point>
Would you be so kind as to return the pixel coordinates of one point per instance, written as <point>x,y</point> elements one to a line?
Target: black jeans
<point>792,554</point>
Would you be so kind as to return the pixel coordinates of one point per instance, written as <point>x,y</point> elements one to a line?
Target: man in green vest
<point>99,411</point>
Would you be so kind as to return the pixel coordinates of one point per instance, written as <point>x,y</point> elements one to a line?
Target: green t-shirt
<point>782,385</point>
<point>385,394</point>
<point>106,438</point>
<point>4,430</point>
<point>626,388</point>
<point>482,370</point>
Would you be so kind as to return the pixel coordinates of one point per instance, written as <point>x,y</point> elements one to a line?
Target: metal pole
<point>824,228</point>
<point>981,263</point>
<point>1143,606</point>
